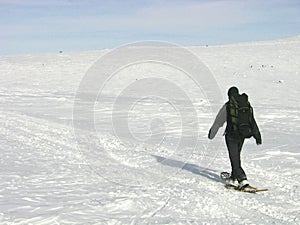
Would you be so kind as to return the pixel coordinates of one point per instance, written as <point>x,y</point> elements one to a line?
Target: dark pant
<point>234,147</point>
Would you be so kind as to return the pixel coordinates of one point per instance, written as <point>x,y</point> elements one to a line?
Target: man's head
<point>233,91</point>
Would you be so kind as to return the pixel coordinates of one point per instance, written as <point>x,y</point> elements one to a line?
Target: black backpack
<point>239,116</point>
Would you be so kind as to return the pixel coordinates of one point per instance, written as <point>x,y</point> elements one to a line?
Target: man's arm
<point>256,132</point>
<point>219,122</point>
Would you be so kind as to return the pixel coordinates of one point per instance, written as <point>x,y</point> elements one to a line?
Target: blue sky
<point>39,26</point>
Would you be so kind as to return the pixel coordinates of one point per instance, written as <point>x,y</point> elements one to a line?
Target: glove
<point>209,133</point>
<point>258,141</point>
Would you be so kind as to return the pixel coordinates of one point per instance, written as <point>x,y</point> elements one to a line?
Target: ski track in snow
<point>46,179</point>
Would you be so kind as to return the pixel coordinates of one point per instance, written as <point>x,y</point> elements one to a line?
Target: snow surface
<point>45,178</point>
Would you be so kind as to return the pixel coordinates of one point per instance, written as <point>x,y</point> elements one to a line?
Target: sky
<point>41,26</point>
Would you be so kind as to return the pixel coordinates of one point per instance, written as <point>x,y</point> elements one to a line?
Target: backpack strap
<point>232,116</point>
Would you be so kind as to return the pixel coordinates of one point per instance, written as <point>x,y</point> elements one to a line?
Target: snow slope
<point>46,178</point>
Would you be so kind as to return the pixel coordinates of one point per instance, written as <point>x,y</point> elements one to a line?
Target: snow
<point>140,172</point>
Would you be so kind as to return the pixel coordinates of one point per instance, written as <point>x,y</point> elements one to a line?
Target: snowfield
<point>129,164</point>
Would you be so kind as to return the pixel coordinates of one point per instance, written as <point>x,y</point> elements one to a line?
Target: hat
<point>233,91</point>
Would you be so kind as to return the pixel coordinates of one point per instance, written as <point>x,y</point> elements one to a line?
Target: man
<point>236,133</point>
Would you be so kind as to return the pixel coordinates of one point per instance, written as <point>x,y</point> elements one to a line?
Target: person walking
<point>238,114</point>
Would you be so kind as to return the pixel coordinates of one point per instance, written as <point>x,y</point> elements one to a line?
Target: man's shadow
<point>205,172</point>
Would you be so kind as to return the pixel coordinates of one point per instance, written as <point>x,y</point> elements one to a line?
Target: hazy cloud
<point>156,18</point>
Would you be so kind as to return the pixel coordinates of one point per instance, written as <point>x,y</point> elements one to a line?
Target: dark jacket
<point>221,118</point>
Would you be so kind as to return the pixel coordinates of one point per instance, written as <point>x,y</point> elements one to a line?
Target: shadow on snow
<point>193,168</point>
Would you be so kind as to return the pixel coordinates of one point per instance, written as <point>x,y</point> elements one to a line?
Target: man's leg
<point>234,149</point>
